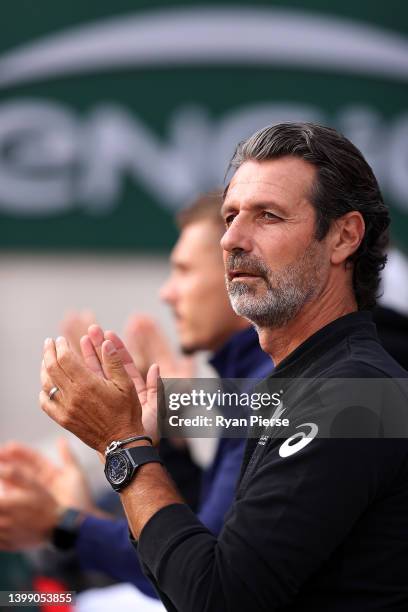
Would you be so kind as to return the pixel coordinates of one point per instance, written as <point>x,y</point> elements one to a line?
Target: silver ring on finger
<point>52,393</point>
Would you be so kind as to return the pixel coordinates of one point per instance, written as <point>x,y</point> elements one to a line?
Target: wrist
<point>121,434</point>
<point>51,520</point>
<point>66,530</point>
<point>120,442</point>
<point>136,444</point>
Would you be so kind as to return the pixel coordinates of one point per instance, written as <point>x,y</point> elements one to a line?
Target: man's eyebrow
<point>230,207</point>
<point>226,208</point>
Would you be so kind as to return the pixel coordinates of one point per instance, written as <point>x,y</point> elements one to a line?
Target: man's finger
<point>150,408</point>
<point>128,363</point>
<point>14,475</point>
<point>90,356</point>
<point>95,332</point>
<point>54,370</point>
<point>69,361</point>
<point>37,465</point>
<point>113,366</point>
<point>51,408</point>
<point>14,451</point>
<point>152,381</point>
<point>46,382</point>
<point>124,355</point>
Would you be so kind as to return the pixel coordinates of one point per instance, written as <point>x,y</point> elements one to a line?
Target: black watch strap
<point>65,533</point>
<point>143,454</point>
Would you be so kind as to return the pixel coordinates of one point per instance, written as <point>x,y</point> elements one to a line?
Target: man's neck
<point>280,342</point>
<point>239,325</point>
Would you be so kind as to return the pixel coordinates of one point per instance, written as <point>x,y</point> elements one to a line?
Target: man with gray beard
<point>319,520</point>
<point>286,292</point>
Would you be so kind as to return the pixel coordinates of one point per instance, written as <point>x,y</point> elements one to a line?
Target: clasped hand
<point>102,397</point>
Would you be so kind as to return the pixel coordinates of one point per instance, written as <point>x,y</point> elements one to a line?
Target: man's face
<point>274,265</point>
<point>196,289</point>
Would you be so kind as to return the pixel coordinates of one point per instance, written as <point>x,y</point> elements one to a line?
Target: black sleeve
<point>294,512</point>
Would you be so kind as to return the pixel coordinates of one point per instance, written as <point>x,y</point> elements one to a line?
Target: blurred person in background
<point>205,320</point>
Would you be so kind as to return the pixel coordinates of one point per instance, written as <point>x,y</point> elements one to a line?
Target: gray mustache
<point>246,264</point>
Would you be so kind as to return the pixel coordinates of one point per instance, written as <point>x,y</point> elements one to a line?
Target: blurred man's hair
<point>206,207</point>
<point>344,182</point>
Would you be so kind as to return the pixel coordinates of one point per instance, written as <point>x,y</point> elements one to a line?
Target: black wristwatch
<point>66,532</point>
<point>122,465</point>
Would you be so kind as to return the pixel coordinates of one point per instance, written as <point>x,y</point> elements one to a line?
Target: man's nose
<point>167,292</point>
<point>237,236</point>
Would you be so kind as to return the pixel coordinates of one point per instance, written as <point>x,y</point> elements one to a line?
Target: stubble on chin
<point>281,295</point>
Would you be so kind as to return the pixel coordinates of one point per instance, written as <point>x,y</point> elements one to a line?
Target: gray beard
<point>286,291</point>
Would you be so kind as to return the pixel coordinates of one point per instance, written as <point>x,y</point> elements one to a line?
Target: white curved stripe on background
<point>211,36</point>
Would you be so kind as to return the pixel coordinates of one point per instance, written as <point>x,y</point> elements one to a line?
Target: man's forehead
<point>196,239</point>
<point>276,178</point>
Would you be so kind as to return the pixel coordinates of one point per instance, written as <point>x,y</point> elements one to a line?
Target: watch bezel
<point>117,486</point>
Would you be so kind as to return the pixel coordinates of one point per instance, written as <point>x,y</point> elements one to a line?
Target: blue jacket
<point>103,544</point>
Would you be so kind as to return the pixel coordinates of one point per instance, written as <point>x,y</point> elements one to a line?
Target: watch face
<point>117,468</point>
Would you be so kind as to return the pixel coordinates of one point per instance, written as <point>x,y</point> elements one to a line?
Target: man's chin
<point>241,292</point>
<point>239,304</point>
<point>247,306</point>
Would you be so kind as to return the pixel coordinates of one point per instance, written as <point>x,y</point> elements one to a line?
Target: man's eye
<point>269,216</point>
<point>229,219</point>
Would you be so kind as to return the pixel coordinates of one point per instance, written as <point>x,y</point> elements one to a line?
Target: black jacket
<point>321,525</point>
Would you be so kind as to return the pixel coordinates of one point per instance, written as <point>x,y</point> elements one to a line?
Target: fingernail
<point>47,341</point>
<point>110,347</point>
<point>59,339</point>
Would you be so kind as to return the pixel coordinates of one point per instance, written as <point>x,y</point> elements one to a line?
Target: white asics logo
<point>290,447</point>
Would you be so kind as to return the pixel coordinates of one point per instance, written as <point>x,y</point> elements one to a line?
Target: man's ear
<point>348,232</point>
